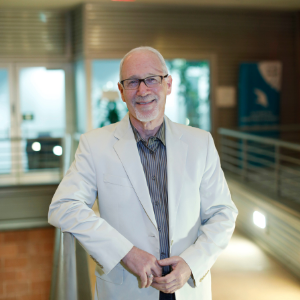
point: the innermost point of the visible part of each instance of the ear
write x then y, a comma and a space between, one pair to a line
121, 89
169, 84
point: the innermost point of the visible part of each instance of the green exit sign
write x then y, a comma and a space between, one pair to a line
28, 117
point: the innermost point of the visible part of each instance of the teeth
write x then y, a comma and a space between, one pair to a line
145, 102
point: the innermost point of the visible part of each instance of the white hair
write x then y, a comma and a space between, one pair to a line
144, 48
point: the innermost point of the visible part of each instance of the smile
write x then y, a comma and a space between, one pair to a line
145, 103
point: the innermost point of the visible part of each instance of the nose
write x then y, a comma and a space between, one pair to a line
143, 89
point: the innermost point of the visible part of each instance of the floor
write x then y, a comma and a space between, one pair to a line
245, 272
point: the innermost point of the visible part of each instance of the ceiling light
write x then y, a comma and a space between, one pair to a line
57, 150
36, 146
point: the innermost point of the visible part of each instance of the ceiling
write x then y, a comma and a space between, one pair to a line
249, 4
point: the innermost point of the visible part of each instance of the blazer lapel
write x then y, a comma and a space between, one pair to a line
128, 154
176, 160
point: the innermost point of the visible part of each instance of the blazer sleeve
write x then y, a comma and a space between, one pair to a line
218, 214
71, 211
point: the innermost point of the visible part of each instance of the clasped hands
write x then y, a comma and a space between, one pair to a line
143, 264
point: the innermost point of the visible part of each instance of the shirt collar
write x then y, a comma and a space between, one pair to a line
160, 134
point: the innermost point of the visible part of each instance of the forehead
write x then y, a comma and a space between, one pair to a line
141, 64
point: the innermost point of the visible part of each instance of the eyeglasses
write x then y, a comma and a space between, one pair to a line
151, 81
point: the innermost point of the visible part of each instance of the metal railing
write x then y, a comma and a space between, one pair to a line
41, 160
70, 274
270, 163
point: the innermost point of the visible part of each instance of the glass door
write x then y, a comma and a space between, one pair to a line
36, 111
5, 124
42, 123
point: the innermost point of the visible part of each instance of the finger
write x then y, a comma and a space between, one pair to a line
149, 281
144, 280
170, 289
167, 261
158, 286
174, 289
166, 289
156, 271
155, 285
166, 279
168, 286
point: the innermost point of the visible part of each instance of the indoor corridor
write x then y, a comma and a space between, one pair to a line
245, 272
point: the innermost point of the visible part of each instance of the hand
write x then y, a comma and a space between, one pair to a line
142, 264
172, 282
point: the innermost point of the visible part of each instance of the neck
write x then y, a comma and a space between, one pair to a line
146, 129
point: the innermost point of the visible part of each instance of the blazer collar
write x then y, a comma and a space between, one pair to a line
127, 152
176, 156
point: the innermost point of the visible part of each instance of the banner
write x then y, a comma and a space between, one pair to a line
259, 93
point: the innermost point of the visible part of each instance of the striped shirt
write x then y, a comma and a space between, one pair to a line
153, 157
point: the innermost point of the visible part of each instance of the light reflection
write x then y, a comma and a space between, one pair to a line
57, 150
36, 146
259, 219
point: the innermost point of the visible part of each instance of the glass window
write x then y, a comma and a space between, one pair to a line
189, 101
108, 106
80, 96
42, 101
5, 146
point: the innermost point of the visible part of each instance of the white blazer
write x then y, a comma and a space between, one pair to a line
201, 213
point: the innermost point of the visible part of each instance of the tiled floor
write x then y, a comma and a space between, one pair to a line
245, 272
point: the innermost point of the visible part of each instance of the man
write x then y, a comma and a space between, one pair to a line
165, 208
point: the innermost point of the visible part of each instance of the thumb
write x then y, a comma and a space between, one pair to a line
167, 261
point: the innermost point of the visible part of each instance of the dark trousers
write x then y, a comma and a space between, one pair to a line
163, 296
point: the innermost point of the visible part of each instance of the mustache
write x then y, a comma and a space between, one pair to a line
145, 98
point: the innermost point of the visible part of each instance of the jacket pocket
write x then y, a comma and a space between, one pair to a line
115, 275
117, 180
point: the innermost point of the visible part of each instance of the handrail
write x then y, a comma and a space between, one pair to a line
265, 163
281, 128
64, 281
70, 275
256, 138
23, 163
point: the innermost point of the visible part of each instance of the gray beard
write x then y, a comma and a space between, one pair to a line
147, 116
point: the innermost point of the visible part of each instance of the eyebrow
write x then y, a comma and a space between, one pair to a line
136, 77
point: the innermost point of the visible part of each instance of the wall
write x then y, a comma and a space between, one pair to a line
280, 238
234, 36
25, 206
34, 34
298, 64
26, 264
109, 30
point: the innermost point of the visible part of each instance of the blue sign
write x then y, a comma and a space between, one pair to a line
259, 93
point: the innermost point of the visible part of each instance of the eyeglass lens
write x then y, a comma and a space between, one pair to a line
149, 81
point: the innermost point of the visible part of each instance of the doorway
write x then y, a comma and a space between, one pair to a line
33, 122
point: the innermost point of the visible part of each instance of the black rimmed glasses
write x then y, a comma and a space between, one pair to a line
151, 81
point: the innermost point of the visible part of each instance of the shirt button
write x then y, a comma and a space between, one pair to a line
159, 229
153, 177
156, 203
